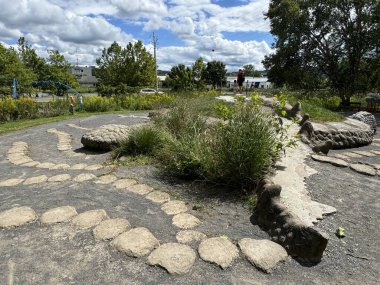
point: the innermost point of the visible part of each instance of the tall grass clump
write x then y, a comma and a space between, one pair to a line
236, 152
243, 149
141, 141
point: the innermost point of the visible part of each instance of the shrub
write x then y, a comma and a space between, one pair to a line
237, 152
144, 140
98, 104
242, 150
27, 108
55, 108
7, 108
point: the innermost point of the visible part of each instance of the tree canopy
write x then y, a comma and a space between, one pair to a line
132, 66
215, 73
325, 44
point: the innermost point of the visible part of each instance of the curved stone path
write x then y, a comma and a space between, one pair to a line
31, 170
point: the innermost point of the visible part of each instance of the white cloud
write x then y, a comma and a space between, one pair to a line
69, 25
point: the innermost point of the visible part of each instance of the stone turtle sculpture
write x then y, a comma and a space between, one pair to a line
105, 137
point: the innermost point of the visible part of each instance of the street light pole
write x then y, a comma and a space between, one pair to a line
155, 40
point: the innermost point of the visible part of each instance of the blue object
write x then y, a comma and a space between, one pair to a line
14, 88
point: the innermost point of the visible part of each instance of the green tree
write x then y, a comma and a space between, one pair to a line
12, 67
198, 69
30, 59
58, 71
132, 65
180, 77
215, 73
325, 43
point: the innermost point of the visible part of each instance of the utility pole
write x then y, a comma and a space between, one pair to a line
76, 51
155, 40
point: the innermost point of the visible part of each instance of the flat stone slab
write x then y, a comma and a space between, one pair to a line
176, 258
158, 197
78, 166
340, 156
174, 207
124, 183
111, 228
363, 169
84, 177
376, 152
31, 164
364, 153
59, 178
61, 166
140, 189
218, 250
89, 219
189, 236
16, 217
332, 160
136, 242
264, 254
93, 167
35, 180
105, 137
106, 179
58, 215
11, 182
352, 154
46, 165
185, 221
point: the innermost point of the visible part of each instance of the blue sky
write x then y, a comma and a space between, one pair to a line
186, 29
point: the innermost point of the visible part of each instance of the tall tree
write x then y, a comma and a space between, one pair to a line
132, 65
11, 67
198, 69
30, 59
215, 73
180, 77
332, 43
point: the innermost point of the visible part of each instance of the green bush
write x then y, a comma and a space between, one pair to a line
237, 152
98, 104
7, 108
58, 107
144, 101
144, 140
243, 150
27, 108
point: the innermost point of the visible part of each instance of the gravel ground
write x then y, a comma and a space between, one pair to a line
60, 254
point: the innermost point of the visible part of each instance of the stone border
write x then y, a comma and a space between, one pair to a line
18, 155
300, 240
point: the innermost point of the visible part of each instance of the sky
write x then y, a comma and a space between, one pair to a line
232, 31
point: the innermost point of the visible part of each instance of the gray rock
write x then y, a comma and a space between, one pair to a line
176, 258
106, 137
332, 160
136, 242
363, 169
16, 217
111, 228
58, 215
218, 250
90, 218
264, 254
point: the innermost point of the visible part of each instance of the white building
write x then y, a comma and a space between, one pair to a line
251, 82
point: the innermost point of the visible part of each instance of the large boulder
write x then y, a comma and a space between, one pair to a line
105, 137
347, 134
367, 118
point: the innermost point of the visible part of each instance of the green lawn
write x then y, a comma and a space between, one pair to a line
23, 124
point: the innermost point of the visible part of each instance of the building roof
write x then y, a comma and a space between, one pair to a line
248, 79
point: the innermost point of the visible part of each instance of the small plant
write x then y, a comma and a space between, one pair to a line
251, 202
